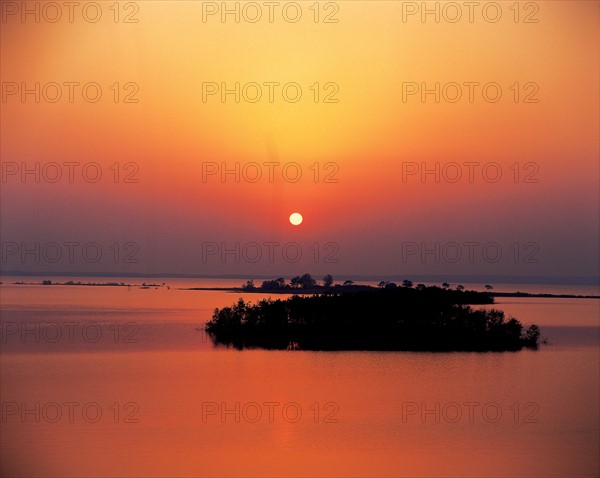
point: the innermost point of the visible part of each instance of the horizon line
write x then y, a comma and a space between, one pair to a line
468, 278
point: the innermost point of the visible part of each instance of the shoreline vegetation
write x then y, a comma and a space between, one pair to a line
361, 317
93, 284
342, 289
288, 289
306, 285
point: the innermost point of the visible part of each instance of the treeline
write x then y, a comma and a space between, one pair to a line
307, 282
402, 318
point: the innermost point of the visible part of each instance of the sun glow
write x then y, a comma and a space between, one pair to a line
296, 219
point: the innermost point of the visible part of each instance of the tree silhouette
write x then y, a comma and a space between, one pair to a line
532, 336
429, 319
276, 284
307, 281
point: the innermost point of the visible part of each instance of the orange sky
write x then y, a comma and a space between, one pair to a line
370, 135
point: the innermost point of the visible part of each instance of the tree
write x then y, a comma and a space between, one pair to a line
445, 285
420, 286
382, 284
460, 287
307, 281
532, 336
348, 282
390, 285
407, 283
275, 284
328, 280
268, 285
488, 287
295, 282
249, 285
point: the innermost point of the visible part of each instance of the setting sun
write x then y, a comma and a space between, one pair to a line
296, 219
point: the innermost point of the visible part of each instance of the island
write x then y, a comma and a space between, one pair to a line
384, 318
93, 284
306, 285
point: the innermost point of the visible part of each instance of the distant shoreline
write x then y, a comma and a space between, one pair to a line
431, 278
318, 290
91, 284
322, 291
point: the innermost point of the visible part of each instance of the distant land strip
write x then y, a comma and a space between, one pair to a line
359, 288
317, 290
454, 278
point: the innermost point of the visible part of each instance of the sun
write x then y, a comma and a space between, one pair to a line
296, 218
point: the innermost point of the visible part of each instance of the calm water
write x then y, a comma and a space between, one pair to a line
103, 381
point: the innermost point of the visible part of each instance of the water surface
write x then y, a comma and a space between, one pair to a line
151, 396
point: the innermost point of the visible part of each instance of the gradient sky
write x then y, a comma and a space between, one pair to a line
372, 135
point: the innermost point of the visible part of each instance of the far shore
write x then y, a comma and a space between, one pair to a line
335, 289
342, 289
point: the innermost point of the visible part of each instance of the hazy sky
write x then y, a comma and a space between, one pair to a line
336, 115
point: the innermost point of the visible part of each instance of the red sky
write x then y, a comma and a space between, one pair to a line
369, 205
